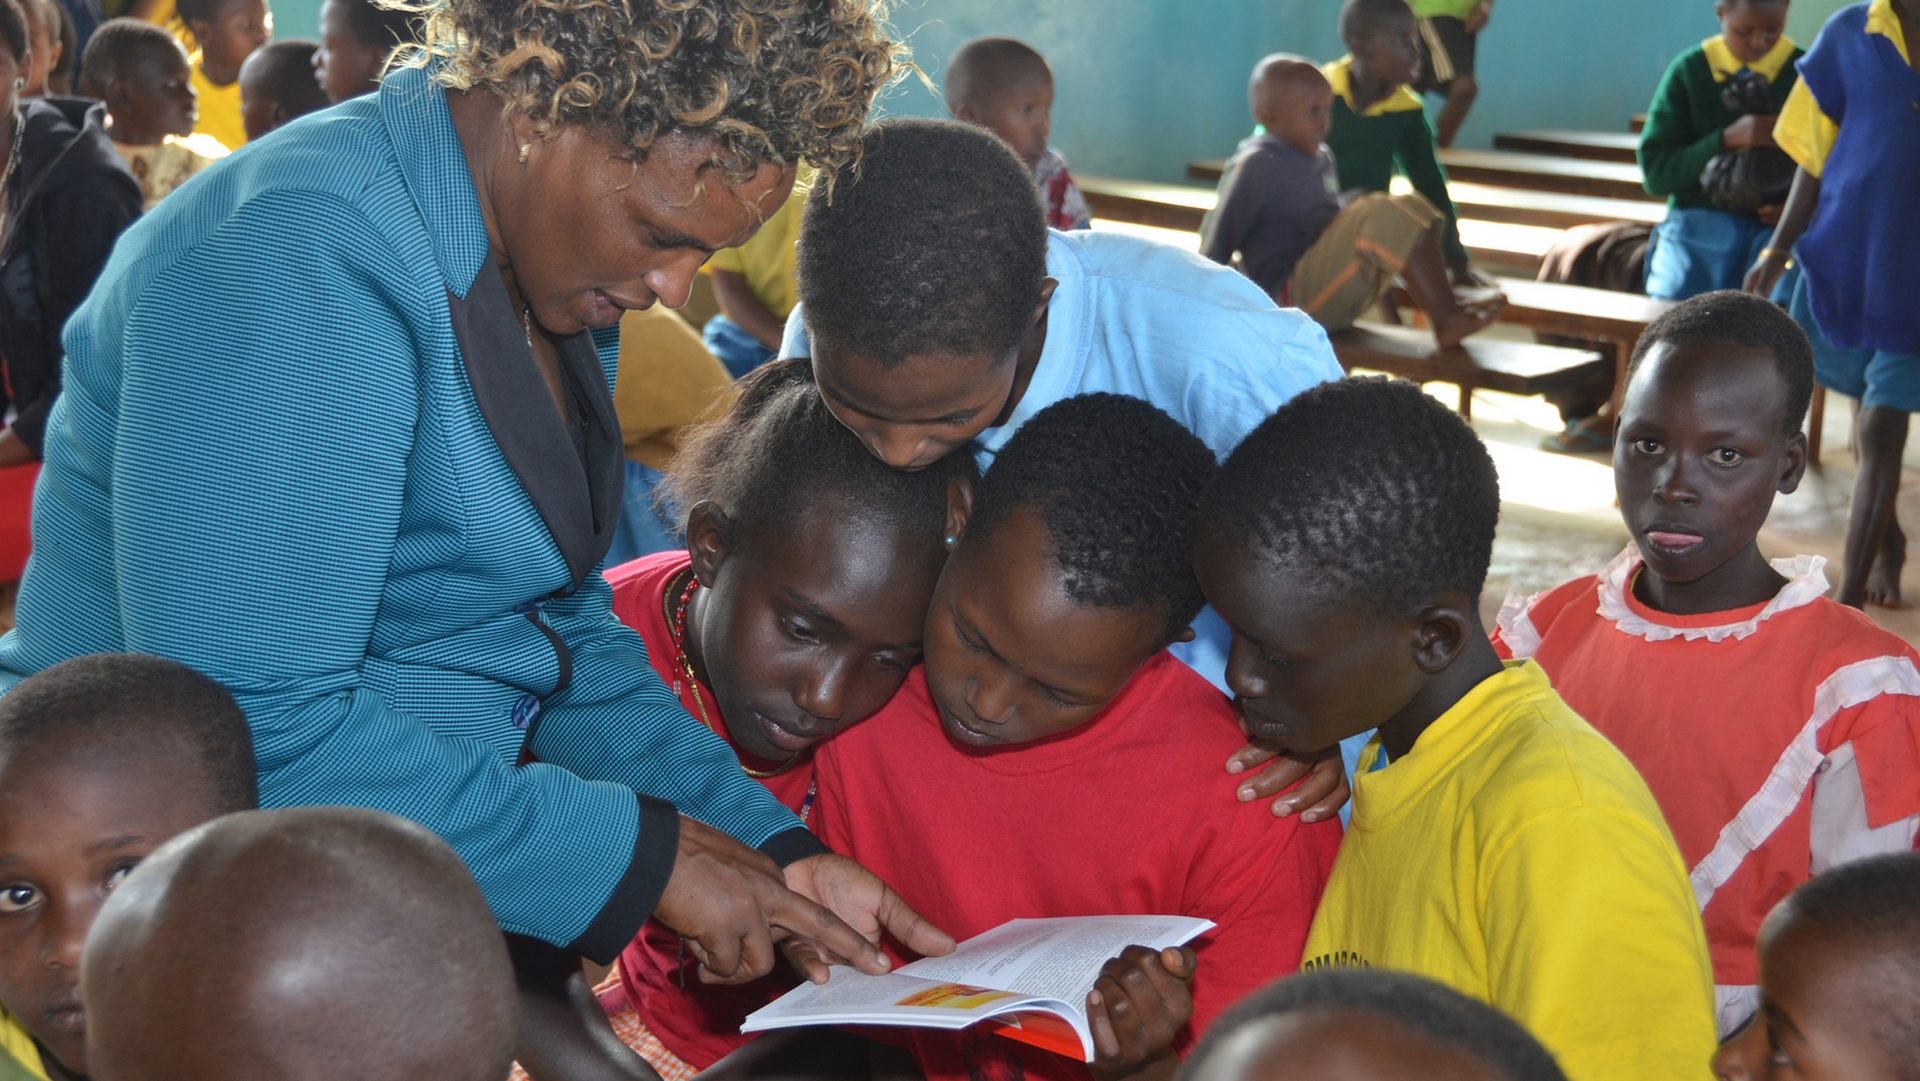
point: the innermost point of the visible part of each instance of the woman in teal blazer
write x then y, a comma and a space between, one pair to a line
338, 432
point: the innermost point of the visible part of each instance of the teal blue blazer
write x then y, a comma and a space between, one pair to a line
303, 448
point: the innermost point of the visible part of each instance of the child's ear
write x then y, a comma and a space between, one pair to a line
1793, 464
706, 540
959, 504
1047, 286
1440, 635
1186, 635
968, 114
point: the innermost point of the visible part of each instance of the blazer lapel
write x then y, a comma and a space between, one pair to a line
578, 500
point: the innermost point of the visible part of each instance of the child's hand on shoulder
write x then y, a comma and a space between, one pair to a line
1321, 788
1136, 1008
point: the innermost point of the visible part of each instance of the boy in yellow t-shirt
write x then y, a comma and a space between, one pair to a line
1508, 850
225, 33
754, 286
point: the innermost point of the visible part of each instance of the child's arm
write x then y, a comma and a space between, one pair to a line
1802, 199
1138, 1005
1672, 152
739, 303
1418, 160
1233, 214
564, 1035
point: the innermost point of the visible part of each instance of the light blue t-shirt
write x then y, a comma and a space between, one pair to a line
1152, 321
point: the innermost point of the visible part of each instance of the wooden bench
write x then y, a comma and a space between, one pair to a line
1591, 145
1496, 246
1478, 363
1534, 172
1182, 206
1541, 172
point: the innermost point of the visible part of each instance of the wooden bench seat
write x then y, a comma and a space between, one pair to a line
1496, 246
1541, 172
1534, 172
1620, 146
1522, 368
1182, 206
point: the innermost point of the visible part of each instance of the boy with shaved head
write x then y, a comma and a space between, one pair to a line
1003, 85
349, 943
1281, 212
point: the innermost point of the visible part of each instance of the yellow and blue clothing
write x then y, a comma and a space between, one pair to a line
1514, 855
1854, 122
1164, 324
1698, 249
356, 507
1367, 144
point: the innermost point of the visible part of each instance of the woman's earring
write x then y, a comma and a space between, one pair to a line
951, 541
20, 84
525, 149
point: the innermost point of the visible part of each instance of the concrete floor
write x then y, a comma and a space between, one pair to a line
1558, 519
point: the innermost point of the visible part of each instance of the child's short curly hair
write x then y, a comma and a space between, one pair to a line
780, 81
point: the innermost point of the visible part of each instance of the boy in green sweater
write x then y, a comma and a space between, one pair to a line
1699, 248
1379, 122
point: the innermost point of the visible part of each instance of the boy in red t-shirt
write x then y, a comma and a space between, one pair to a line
1049, 760
1779, 730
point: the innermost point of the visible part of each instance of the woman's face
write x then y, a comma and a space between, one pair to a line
588, 234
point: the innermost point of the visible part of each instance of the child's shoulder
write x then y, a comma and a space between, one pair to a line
1543, 761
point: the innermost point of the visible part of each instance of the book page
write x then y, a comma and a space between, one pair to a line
1053, 958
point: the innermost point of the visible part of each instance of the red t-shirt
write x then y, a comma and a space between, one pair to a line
700, 1023
1778, 739
1130, 813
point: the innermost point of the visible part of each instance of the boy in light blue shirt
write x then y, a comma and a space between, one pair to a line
942, 313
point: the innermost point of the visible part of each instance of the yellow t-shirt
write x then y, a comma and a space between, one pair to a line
18, 1055
666, 381
1516, 856
219, 110
768, 259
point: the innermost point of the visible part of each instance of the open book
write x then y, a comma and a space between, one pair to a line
1027, 978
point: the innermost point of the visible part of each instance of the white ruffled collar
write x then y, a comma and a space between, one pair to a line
1806, 583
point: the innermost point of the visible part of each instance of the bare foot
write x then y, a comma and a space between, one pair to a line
1450, 328
1883, 582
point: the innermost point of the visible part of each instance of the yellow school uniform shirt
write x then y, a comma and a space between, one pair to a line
1514, 855
1805, 130
219, 110
18, 1055
767, 261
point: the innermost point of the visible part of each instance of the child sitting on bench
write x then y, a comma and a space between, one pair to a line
1004, 86
1281, 212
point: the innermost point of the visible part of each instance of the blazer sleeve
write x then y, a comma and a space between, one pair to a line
617, 721
262, 453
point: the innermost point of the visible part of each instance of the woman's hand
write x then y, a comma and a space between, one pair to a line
1137, 1006
732, 904
1750, 132
869, 905
1322, 787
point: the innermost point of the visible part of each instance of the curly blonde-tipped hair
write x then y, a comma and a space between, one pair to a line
780, 81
